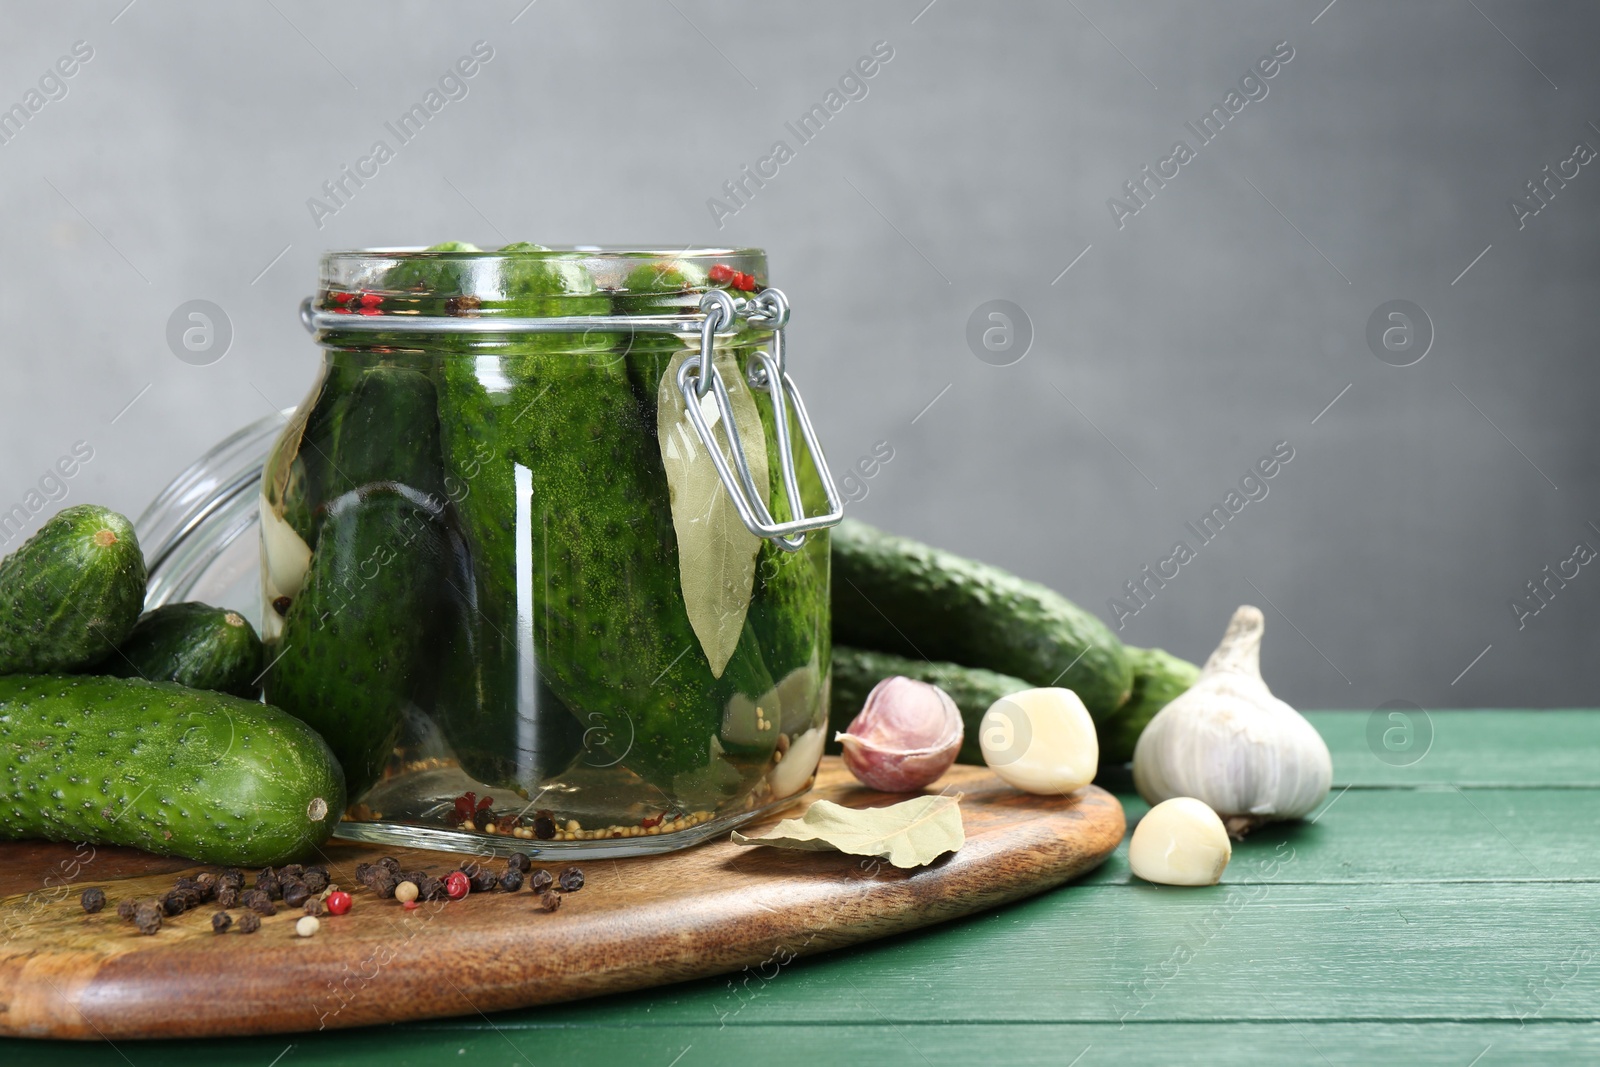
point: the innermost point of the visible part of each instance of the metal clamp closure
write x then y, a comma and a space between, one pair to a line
768, 308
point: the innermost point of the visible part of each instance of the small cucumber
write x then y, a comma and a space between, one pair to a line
898, 595
1158, 678
71, 593
195, 645
174, 771
973, 689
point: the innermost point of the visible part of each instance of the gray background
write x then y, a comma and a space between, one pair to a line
1223, 318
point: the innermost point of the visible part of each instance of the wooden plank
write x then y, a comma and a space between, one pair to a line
638, 922
1153, 954
1487, 748
1429, 834
1028, 1045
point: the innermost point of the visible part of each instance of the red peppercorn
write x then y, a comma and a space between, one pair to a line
745, 282
722, 273
457, 885
338, 902
369, 300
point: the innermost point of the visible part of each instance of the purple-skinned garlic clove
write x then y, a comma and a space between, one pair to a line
906, 736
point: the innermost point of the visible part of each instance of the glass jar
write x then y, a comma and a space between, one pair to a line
537, 580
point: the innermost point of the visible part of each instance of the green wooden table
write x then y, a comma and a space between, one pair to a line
1443, 912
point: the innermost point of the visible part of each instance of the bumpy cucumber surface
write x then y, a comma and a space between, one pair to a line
1158, 678
353, 654
899, 595
194, 645
71, 593
609, 634
175, 771
856, 671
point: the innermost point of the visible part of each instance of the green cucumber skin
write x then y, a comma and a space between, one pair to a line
1158, 678
174, 771
613, 649
899, 595
356, 638
856, 671
194, 645
387, 431
789, 610
66, 599
353, 652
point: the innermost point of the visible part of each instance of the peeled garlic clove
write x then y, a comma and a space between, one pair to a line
1040, 741
1180, 842
907, 735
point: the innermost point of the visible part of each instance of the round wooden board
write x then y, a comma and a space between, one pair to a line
636, 923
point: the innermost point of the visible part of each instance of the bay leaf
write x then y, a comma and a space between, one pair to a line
716, 553
908, 834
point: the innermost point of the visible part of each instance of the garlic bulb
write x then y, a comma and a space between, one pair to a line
907, 735
1227, 741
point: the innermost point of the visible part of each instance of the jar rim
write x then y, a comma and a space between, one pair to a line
625, 251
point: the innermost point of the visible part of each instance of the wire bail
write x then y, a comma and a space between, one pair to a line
766, 310
698, 376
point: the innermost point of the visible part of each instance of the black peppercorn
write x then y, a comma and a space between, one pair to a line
364, 872
292, 870
316, 879
540, 880
249, 922
544, 825
267, 882
125, 909
172, 902
519, 861
93, 899
259, 902
549, 901
383, 883
220, 922
147, 917
571, 880
483, 880
228, 895
431, 888
511, 881
316, 906
295, 894
391, 863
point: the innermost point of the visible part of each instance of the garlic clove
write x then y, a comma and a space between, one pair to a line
1180, 842
1040, 741
799, 763
907, 735
1228, 742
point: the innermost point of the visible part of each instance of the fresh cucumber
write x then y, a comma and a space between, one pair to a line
71, 593
1158, 678
856, 671
194, 645
898, 595
175, 771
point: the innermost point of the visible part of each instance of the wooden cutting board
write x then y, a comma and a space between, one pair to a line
636, 923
